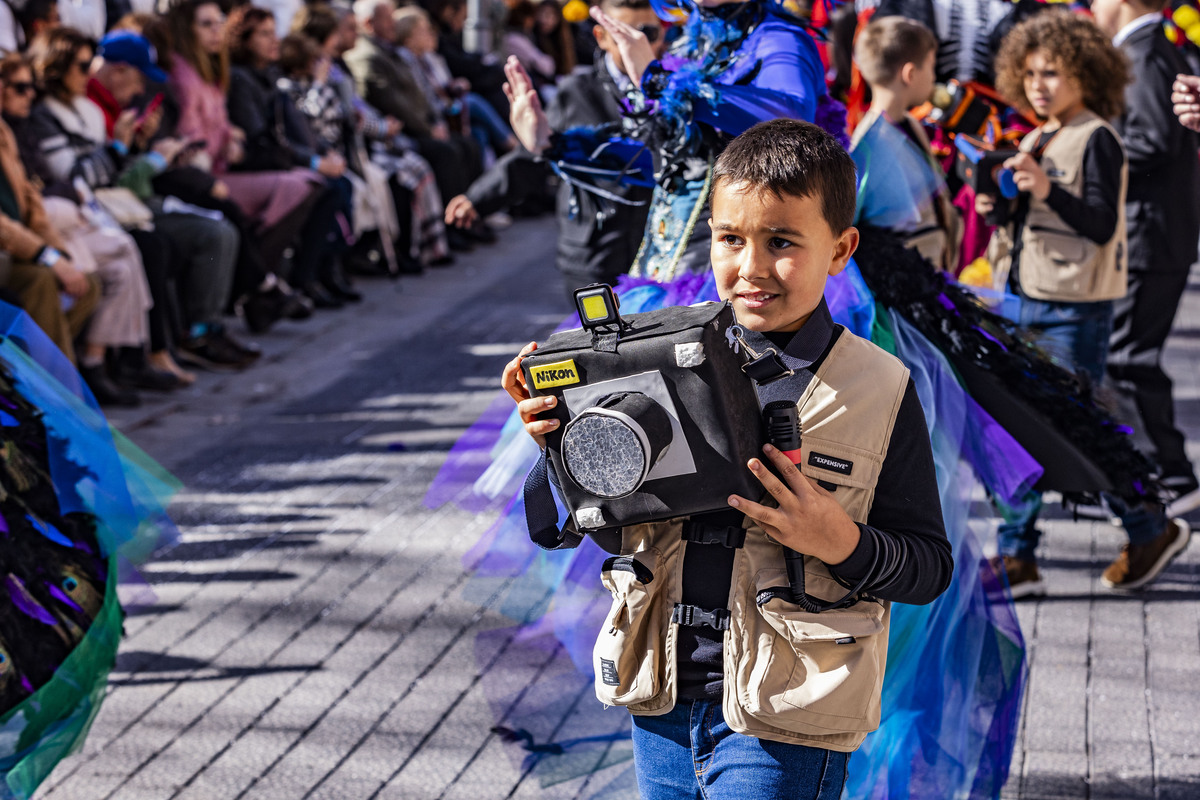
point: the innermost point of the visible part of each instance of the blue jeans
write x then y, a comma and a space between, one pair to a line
1077, 335
488, 128
691, 754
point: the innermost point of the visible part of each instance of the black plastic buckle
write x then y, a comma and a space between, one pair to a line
695, 616
726, 536
766, 368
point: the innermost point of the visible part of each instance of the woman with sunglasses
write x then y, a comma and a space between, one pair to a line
68, 143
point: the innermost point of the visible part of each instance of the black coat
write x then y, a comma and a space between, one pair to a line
1163, 202
277, 135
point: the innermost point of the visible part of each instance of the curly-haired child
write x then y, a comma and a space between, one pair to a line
1062, 245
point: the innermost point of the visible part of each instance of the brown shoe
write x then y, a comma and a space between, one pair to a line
1139, 564
1023, 577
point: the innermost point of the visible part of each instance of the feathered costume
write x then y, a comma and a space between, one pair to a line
76, 500
956, 667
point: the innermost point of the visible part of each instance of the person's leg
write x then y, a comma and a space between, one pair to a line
38, 290
484, 118
1144, 391
690, 753
662, 755
207, 252
1154, 541
734, 766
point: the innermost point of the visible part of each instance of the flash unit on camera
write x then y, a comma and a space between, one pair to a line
597, 306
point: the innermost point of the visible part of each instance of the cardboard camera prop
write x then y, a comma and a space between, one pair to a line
657, 419
982, 168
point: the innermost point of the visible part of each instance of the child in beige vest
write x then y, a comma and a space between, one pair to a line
1061, 245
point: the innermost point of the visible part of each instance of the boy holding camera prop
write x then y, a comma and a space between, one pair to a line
736, 691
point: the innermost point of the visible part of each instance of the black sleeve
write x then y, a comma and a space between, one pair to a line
1152, 134
1094, 215
903, 552
512, 179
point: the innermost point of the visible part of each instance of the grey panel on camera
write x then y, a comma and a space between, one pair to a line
678, 459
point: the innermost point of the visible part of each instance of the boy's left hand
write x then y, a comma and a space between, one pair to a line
1029, 175
808, 519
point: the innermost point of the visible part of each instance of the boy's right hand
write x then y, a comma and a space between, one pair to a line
984, 204
513, 381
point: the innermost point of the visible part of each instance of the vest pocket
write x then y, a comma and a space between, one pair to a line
815, 673
628, 657
1061, 262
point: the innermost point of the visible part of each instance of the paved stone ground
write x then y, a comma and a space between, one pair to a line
309, 635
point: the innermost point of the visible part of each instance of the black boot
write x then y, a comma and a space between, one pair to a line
105, 391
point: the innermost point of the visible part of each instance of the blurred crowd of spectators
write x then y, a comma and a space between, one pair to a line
167, 165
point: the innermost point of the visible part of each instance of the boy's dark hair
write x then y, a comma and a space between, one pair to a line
1078, 48
887, 44
790, 157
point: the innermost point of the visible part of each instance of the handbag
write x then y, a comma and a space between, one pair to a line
126, 209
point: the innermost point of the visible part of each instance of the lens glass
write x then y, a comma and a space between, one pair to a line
604, 456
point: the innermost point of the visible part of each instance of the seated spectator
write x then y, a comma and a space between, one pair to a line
278, 138
484, 71
77, 148
276, 205
518, 41
387, 82
53, 291
554, 37
418, 45
422, 238
38, 18
203, 249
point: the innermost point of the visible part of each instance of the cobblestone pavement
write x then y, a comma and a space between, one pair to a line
308, 636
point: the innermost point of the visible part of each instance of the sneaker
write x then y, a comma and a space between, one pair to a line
216, 352
1182, 494
1023, 577
1139, 564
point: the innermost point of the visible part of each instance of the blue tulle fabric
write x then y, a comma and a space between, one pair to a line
956, 667
97, 471
896, 183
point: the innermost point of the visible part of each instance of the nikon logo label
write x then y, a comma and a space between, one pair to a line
561, 373
830, 463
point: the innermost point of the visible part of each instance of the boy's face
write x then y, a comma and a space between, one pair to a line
771, 255
920, 87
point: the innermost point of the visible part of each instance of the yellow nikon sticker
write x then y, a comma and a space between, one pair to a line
560, 373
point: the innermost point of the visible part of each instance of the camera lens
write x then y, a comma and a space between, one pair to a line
610, 448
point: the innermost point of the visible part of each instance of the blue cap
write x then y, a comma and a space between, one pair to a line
127, 47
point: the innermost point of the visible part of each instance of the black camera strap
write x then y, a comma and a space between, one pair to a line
541, 513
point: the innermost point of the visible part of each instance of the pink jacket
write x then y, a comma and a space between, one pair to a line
202, 113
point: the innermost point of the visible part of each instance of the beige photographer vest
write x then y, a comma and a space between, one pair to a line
790, 675
1058, 264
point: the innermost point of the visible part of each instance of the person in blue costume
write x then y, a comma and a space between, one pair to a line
734, 65
77, 503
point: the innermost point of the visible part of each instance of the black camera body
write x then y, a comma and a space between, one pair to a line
982, 167
657, 418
